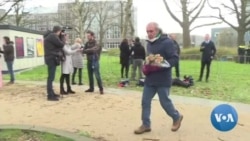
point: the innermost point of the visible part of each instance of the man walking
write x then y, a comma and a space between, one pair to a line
159, 81
93, 51
177, 47
208, 52
52, 48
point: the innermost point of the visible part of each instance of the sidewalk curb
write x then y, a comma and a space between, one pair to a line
62, 133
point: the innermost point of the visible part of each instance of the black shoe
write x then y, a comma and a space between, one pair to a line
80, 84
57, 95
52, 98
73, 83
101, 92
89, 91
70, 92
63, 92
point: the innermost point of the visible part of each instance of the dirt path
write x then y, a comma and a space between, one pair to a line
111, 116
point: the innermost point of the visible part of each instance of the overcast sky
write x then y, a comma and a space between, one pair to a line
151, 10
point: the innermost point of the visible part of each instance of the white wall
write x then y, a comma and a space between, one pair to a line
26, 61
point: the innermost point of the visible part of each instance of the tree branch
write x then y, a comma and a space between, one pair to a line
198, 13
193, 9
172, 14
8, 11
221, 17
209, 24
236, 10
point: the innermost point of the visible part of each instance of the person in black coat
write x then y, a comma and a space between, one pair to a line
177, 47
208, 52
53, 52
124, 57
8, 52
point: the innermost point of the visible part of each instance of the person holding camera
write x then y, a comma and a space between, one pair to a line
53, 46
67, 67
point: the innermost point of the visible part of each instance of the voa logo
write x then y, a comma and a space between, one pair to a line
224, 117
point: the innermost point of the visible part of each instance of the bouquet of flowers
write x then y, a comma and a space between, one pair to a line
154, 63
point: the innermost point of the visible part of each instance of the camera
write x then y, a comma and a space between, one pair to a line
62, 35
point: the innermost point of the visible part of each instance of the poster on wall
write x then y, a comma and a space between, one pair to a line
30, 47
19, 47
39, 47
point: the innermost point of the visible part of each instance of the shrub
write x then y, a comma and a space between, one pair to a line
194, 53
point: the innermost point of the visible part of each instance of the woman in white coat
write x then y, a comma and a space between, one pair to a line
67, 68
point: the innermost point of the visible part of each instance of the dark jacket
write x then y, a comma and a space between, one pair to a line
177, 47
139, 51
8, 52
208, 51
165, 47
52, 47
92, 50
124, 53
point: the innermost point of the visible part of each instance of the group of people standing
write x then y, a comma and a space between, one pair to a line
59, 52
132, 53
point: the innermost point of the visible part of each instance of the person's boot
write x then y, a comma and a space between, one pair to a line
73, 80
80, 80
89, 90
52, 98
62, 91
177, 124
70, 91
142, 129
101, 91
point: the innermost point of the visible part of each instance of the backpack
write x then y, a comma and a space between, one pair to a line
186, 82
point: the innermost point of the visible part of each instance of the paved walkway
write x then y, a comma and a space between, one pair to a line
115, 115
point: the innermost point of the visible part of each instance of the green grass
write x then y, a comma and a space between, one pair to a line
27, 135
229, 81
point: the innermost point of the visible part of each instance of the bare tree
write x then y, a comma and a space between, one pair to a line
240, 9
78, 15
82, 16
12, 3
105, 17
128, 17
20, 14
189, 15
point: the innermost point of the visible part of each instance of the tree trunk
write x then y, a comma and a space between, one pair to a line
185, 25
132, 29
127, 18
240, 38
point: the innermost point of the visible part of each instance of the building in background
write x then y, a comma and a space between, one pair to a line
67, 15
224, 37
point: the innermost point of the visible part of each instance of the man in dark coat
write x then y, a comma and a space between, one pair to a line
208, 52
52, 48
93, 51
8, 51
177, 47
159, 81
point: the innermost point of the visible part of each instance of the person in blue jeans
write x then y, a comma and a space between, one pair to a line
159, 81
8, 51
53, 49
93, 52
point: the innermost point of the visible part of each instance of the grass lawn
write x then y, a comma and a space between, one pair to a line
229, 81
26, 135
